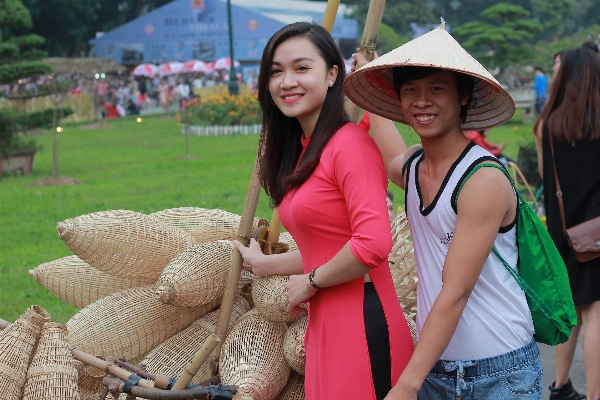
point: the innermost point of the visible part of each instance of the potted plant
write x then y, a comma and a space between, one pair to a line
16, 150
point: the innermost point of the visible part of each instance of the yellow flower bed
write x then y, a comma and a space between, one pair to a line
222, 109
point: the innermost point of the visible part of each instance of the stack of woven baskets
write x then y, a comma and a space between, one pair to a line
149, 286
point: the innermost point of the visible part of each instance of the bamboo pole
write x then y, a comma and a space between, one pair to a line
368, 41
192, 368
330, 13
235, 271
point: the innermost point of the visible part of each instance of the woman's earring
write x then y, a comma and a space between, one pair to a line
330, 83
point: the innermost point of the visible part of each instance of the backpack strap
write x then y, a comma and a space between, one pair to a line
520, 203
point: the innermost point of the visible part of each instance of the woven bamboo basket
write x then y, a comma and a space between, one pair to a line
129, 323
124, 243
52, 374
270, 297
79, 284
205, 225
286, 237
197, 276
89, 380
294, 389
293, 344
403, 266
173, 355
245, 286
252, 358
17, 345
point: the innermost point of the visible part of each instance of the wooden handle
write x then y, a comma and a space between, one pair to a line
368, 42
330, 13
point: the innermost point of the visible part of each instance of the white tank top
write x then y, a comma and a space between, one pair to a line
496, 319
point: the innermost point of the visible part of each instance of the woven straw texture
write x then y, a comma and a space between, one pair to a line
205, 225
173, 355
245, 286
294, 389
372, 86
270, 297
293, 344
52, 374
252, 358
286, 237
129, 323
403, 266
79, 284
89, 380
196, 276
17, 345
124, 243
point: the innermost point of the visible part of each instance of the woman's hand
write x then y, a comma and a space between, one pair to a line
401, 392
254, 258
299, 291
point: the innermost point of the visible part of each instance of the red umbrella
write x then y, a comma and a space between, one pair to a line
224, 63
145, 69
195, 66
170, 68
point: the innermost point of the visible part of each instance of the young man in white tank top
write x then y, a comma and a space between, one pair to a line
475, 328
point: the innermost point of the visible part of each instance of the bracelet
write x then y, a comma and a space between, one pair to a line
311, 279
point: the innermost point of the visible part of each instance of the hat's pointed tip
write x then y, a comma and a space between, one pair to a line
442, 24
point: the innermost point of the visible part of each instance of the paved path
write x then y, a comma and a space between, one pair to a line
577, 372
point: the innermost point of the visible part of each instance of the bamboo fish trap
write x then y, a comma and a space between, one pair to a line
129, 323
293, 344
403, 266
79, 284
270, 297
171, 356
196, 276
52, 374
294, 388
252, 358
205, 225
17, 345
124, 243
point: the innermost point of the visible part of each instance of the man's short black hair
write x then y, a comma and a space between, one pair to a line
593, 46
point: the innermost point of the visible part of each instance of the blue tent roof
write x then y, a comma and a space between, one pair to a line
194, 29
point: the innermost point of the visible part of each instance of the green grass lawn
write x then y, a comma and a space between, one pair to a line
133, 166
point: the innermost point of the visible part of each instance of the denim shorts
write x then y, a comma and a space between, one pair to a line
514, 375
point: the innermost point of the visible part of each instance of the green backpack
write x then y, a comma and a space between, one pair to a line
542, 273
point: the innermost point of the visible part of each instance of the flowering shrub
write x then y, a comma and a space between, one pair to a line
222, 109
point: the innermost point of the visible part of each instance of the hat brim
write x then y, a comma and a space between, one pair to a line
372, 86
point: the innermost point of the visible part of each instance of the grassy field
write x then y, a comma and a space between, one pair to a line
133, 166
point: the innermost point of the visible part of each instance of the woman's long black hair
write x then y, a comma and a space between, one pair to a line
280, 147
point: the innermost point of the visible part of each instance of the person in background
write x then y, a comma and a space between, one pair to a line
480, 139
327, 179
572, 122
389, 199
589, 45
540, 85
474, 325
163, 95
132, 108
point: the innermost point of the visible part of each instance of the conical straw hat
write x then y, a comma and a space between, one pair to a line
372, 86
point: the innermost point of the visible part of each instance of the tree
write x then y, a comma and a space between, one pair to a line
503, 41
18, 53
556, 16
388, 40
398, 14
